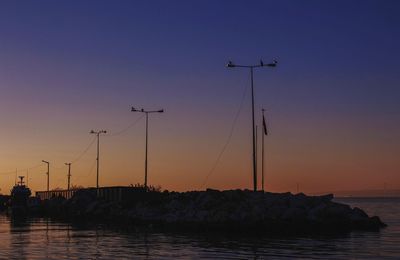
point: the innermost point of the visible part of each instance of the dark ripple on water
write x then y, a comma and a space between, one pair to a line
43, 239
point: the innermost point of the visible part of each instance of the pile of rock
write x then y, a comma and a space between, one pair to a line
220, 210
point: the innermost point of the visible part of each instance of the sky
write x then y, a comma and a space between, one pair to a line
333, 111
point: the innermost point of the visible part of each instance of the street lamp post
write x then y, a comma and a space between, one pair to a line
69, 174
147, 112
97, 133
251, 67
48, 174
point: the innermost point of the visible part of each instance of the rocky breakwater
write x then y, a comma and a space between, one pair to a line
231, 210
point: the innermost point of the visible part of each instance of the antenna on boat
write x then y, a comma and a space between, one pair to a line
27, 177
15, 178
21, 182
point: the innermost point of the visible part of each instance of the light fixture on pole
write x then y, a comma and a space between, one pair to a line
147, 112
48, 174
97, 133
251, 67
69, 174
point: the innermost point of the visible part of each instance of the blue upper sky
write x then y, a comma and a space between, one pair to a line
347, 48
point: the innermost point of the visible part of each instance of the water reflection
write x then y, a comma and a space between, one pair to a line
46, 239
20, 229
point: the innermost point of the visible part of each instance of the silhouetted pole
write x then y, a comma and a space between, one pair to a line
69, 174
97, 133
256, 150
147, 112
147, 147
48, 174
251, 67
262, 153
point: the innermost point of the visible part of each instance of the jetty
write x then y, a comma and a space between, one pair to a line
210, 210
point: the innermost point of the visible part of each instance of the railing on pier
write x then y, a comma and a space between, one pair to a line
45, 195
116, 193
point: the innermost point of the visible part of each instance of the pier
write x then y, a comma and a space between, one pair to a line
114, 193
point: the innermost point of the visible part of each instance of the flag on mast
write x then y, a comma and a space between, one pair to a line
265, 126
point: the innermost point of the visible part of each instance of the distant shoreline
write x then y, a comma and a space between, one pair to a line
368, 197
394, 193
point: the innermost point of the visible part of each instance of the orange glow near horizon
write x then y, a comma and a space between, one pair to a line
318, 159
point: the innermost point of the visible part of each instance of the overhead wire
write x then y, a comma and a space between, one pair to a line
84, 151
79, 157
90, 172
126, 128
228, 138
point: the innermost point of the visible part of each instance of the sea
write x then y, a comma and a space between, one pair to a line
45, 239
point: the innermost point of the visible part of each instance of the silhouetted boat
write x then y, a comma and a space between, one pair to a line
19, 199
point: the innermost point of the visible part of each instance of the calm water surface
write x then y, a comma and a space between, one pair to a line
43, 239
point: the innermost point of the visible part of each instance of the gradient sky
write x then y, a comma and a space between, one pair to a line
333, 103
